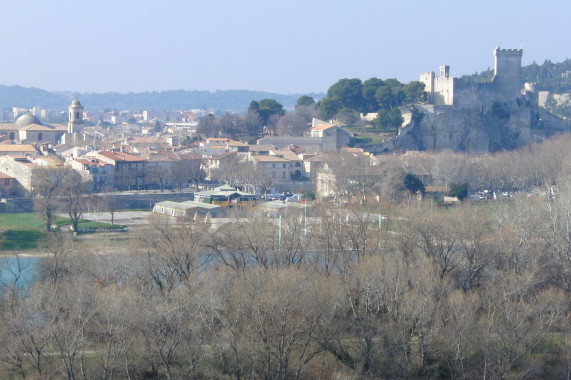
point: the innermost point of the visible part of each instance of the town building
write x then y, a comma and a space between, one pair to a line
7, 185
226, 196
322, 137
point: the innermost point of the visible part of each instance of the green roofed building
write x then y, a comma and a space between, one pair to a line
226, 196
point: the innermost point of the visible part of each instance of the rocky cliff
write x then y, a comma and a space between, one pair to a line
504, 126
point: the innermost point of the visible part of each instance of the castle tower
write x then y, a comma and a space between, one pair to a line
507, 73
444, 71
75, 123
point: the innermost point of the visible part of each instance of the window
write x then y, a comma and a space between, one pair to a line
273, 165
77, 115
284, 166
40, 136
7, 182
283, 174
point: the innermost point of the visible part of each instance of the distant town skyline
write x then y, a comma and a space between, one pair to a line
286, 47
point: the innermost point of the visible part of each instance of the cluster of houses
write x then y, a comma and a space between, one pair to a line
135, 159
131, 159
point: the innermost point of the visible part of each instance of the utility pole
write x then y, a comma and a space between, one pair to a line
280, 233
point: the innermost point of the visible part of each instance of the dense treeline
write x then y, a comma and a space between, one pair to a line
548, 76
263, 117
345, 100
464, 292
348, 97
538, 168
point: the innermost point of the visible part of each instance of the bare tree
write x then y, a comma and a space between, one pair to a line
47, 185
292, 124
73, 192
111, 202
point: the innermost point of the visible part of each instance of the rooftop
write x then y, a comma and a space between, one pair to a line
17, 148
269, 159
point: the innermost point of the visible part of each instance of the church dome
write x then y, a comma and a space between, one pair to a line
27, 119
75, 103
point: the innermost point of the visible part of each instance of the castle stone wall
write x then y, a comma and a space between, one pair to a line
507, 73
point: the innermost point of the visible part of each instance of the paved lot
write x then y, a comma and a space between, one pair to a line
125, 218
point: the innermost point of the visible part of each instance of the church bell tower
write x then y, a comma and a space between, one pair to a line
75, 123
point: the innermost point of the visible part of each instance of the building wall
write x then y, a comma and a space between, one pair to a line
307, 144
275, 171
44, 136
21, 172
6, 187
99, 176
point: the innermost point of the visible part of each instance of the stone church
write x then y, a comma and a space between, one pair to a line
28, 129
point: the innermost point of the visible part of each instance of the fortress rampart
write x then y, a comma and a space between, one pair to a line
505, 86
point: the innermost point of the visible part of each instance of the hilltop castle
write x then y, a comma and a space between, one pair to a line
504, 87
469, 116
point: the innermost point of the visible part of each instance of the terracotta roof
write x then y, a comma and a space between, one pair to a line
120, 156
292, 148
51, 160
320, 158
288, 155
261, 148
17, 148
236, 143
5, 176
322, 127
217, 139
222, 155
142, 140
269, 159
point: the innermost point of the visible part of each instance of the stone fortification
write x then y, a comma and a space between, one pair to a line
507, 73
505, 85
474, 117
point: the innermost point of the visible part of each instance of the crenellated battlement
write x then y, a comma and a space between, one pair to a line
505, 85
508, 52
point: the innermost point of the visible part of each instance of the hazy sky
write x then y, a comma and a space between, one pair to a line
290, 46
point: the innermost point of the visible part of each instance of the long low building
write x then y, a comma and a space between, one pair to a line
188, 209
226, 196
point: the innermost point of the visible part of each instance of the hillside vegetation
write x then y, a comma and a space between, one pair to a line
548, 76
229, 100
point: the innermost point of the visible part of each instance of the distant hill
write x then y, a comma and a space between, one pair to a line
227, 100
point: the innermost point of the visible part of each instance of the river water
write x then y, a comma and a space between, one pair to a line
18, 270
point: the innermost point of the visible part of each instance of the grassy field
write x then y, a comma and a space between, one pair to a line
24, 231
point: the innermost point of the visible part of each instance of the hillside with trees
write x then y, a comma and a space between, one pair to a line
266, 116
347, 98
220, 100
549, 76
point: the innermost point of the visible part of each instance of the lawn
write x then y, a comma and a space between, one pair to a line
22, 231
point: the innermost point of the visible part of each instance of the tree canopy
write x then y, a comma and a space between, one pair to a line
370, 96
304, 100
267, 108
413, 184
